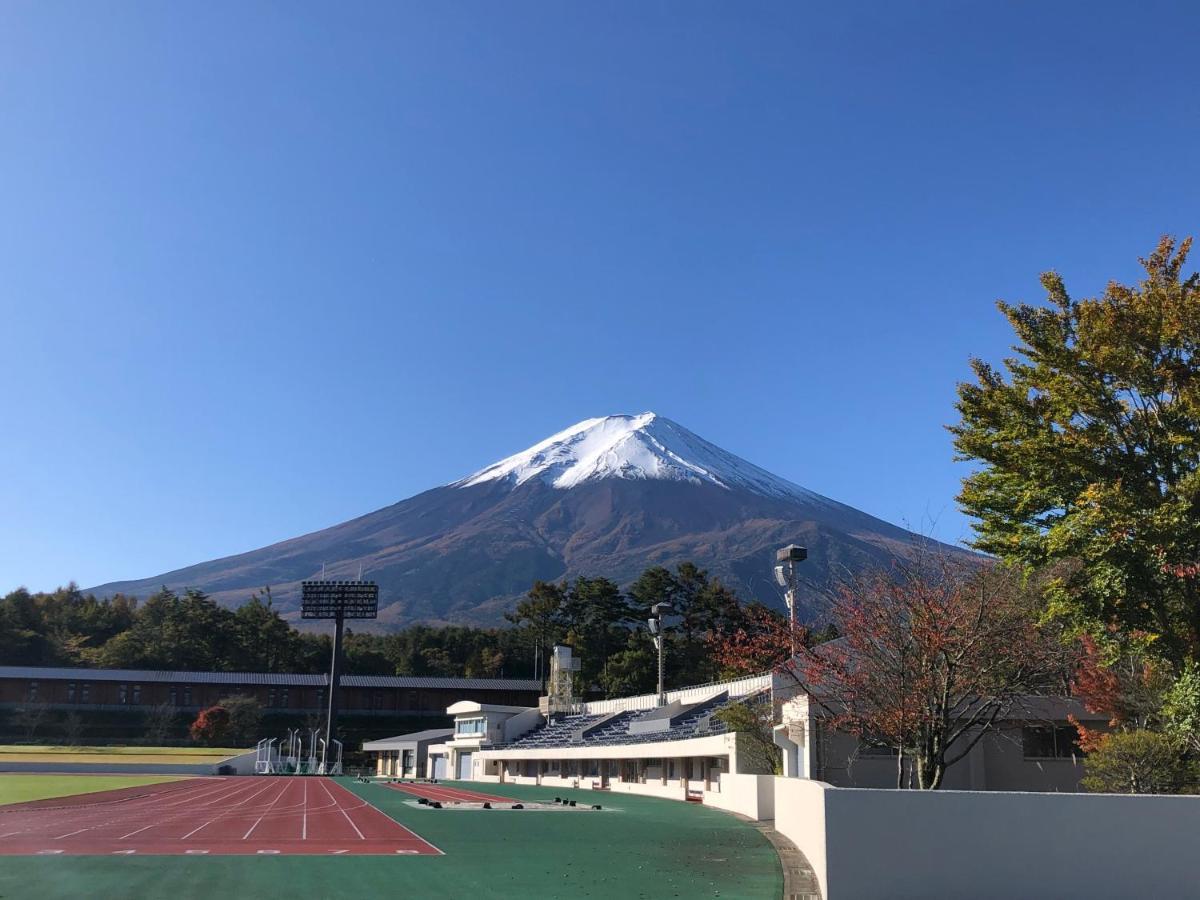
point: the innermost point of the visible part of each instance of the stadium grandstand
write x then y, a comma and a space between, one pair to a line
678, 744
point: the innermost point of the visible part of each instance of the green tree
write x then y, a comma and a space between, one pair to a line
244, 722
541, 615
1180, 710
1088, 447
1135, 762
754, 721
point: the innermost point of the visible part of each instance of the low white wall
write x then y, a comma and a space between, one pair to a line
866, 843
243, 763
800, 817
752, 796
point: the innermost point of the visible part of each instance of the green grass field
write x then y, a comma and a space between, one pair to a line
20, 788
117, 756
642, 848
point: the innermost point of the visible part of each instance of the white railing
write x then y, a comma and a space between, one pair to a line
739, 687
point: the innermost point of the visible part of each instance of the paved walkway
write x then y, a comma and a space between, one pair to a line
799, 879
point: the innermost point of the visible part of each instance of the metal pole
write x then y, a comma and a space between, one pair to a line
791, 602
335, 675
662, 641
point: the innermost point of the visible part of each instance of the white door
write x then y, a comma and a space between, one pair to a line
464, 766
439, 767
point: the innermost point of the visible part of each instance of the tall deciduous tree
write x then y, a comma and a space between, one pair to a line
932, 654
1088, 445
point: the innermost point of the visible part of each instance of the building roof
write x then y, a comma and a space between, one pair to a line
416, 737
472, 706
290, 679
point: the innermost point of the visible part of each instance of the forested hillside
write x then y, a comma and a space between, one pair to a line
189, 631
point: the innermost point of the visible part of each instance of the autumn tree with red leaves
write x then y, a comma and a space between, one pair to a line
211, 726
932, 654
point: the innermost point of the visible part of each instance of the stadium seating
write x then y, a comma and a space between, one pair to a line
572, 731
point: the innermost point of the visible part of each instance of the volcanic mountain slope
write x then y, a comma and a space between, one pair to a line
608, 496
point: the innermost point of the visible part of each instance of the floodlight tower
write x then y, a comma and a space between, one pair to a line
786, 560
337, 600
655, 623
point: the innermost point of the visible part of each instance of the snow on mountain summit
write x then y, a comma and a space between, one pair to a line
647, 446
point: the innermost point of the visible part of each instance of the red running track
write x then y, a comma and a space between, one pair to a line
448, 794
236, 815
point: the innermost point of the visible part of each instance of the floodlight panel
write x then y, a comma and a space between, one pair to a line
781, 576
328, 599
791, 553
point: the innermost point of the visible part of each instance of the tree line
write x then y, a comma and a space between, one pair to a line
189, 631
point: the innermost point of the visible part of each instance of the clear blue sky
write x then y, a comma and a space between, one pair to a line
264, 267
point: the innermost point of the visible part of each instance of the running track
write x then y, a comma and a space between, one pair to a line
236, 815
448, 794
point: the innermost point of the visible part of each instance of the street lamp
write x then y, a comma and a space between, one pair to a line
786, 560
657, 611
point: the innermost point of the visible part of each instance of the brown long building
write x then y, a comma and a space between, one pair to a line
370, 701
361, 695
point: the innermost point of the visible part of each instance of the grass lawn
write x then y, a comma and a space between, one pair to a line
643, 849
115, 755
20, 788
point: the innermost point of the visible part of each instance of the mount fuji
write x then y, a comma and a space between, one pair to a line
608, 496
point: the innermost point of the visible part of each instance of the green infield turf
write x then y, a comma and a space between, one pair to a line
20, 788
640, 848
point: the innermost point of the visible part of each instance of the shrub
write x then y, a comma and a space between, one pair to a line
1135, 762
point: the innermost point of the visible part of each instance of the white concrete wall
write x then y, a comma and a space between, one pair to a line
521, 723
867, 843
800, 817
752, 796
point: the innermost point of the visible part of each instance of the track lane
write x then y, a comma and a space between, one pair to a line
231, 815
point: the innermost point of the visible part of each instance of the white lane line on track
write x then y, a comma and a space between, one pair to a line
169, 818
343, 812
90, 812
304, 830
132, 833
68, 834
267, 810
221, 815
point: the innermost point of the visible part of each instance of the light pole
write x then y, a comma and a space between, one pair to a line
656, 629
786, 560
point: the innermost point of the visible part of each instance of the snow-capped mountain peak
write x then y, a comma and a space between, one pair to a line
647, 446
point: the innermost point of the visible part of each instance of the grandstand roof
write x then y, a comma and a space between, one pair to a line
415, 737
291, 679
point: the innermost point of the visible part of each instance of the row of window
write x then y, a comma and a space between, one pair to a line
81, 692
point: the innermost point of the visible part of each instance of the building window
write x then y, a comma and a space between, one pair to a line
468, 727
174, 692
85, 692
31, 694
137, 694
320, 698
187, 695
377, 700
271, 697
1050, 742
123, 694
70, 692
409, 760
283, 698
